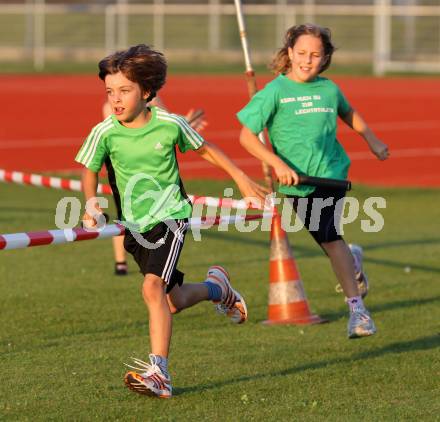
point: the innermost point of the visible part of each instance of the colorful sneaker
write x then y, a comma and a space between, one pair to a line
361, 277
231, 304
149, 380
360, 324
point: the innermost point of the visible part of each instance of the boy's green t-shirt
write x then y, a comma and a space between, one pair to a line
145, 164
301, 119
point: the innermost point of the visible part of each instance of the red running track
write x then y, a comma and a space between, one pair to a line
45, 119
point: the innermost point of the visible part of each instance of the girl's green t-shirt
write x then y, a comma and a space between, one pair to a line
301, 119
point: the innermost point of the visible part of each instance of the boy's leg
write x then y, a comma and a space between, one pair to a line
186, 295
160, 319
152, 378
216, 288
157, 265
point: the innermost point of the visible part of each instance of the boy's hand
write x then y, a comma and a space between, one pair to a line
379, 149
286, 175
91, 222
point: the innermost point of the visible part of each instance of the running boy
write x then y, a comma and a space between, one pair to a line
120, 266
140, 142
300, 110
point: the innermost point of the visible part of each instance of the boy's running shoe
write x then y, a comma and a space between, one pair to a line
149, 380
232, 303
360, 324
361, 277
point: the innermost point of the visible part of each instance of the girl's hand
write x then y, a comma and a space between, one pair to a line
252, 192
286, 175
196, 119
379, 149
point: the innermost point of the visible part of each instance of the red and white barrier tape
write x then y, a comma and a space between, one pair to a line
75, 185
50, 237
46, 181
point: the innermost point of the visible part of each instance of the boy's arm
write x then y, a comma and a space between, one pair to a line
248, 188
357, 123
89, 186
250, 141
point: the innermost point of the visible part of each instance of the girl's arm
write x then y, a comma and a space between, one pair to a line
248, 188
377, 147
254, 146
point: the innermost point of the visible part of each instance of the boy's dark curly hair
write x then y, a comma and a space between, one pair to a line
139, 64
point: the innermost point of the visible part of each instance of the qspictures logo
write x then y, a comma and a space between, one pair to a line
143, 210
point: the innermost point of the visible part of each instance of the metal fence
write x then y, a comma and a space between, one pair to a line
393, 35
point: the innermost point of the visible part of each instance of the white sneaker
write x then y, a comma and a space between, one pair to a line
361, 277
231, 303
360, 324
150, 380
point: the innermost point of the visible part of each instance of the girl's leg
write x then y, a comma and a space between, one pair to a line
160, 319
360, 323
119, 255
343, 266
118, 249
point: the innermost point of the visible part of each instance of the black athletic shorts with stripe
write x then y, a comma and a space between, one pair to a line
160, 250
326, 231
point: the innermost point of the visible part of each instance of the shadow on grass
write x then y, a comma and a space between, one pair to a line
387, 306
409, 242
422, 343
400, 265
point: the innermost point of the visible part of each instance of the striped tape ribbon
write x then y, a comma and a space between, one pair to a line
75, 185
50, 237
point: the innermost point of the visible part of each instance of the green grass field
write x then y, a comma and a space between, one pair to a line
68, 325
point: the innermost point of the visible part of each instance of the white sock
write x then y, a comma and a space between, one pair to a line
161, 362
355, 303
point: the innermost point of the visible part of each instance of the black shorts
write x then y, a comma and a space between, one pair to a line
321, 224
160, 255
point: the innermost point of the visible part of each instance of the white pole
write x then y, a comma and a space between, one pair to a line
251, 81
410, 32
158, 25
382, 35
110, 29
122, 24
29, 34
214, 25
39, 39
309, 11
281, 19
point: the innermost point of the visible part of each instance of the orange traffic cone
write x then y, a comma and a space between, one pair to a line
287, 298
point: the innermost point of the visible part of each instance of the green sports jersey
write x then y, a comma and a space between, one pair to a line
146, 169
301, 119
